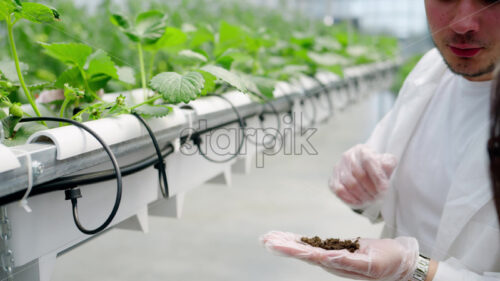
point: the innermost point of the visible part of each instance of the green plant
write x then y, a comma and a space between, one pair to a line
146, 30
11, 11
201, 47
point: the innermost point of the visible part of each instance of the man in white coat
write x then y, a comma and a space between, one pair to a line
424, 170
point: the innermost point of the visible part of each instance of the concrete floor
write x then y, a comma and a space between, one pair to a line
217, 236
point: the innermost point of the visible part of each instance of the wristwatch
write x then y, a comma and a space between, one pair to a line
420, 273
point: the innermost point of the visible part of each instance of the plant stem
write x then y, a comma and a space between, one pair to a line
87, 87
146, 102
18, 69
151, 65
143, 70
63, 109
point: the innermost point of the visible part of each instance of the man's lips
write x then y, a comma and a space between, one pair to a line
465, 51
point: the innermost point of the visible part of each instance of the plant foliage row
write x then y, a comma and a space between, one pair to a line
176, 51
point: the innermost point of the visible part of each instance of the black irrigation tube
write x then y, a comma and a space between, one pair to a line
197, 138
100, 176
160, 166
63, 183
69, 183
73, 193
66, 182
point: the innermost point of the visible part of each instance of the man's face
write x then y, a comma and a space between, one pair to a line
467, 33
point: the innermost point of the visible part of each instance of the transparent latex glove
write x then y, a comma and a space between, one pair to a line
376, 259
362, 176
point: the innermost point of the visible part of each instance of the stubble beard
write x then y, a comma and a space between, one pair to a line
459, 68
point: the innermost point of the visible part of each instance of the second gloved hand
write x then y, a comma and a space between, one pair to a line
376, 259
362, 175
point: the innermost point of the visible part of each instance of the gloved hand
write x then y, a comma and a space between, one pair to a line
362, 176
376, 259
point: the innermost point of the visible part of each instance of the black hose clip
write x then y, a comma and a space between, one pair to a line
72, 194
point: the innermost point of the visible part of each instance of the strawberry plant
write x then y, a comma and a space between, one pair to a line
146, 30
11, 11
182, 49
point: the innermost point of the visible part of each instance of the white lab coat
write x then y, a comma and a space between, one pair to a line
468, 238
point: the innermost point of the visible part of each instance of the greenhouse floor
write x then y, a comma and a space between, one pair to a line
217, 235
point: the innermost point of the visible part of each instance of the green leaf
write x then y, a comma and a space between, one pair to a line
70, 53
225, 61
7, 7
226, 76
23, 133
124, 24
150, 26
101, 63
304, 41
342, 38
230, 36
227, 58
126, 74
8, 69
9, 124
173, 38
209, 83
39, 13
71, 76
266, 86
98, 81
157, 111
120, 21
176, 88
2, 114
232, 56
190, 56
201, 36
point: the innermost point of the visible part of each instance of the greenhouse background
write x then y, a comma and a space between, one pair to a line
211, 231
404, 19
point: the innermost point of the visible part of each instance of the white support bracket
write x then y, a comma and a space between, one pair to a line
168, 208
46, 265
224, 178
139, 221
243, 165
40, 269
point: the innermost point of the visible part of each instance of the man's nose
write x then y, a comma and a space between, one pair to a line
467, 17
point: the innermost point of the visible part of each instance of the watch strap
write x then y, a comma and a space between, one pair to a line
420, 273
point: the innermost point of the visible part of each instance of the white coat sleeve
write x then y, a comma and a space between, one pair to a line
451, 269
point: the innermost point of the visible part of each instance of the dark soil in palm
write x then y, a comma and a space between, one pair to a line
332, 243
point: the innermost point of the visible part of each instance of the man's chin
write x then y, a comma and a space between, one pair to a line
468, 68
470, 72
